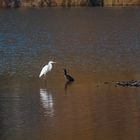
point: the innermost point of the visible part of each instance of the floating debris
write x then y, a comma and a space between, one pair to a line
132, 83
106, 82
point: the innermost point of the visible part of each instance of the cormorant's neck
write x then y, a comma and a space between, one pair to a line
65, 72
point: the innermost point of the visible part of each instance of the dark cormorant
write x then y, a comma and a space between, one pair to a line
68, 77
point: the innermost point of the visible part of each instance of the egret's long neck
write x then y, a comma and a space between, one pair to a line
50, 65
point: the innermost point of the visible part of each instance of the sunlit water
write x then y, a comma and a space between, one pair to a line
98, 46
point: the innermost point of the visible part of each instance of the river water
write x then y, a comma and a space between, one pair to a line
98, 46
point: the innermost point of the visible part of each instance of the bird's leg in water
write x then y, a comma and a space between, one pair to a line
45, 79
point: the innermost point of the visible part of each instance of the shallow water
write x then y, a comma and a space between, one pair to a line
98, 46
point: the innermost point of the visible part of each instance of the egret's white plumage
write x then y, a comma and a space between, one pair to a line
46, 69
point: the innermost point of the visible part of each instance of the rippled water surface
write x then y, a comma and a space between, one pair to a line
98, 46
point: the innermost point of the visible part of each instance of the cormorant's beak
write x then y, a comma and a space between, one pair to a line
54, 62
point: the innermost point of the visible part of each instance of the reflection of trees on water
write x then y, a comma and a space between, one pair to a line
47, 102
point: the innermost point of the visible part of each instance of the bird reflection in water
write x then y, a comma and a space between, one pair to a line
47, 102
67, 85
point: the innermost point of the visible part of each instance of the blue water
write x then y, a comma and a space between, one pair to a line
97, 46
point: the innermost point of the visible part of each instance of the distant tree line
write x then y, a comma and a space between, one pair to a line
10, 3
65, 3
49, 3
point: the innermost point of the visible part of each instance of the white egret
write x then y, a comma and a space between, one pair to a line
46, 69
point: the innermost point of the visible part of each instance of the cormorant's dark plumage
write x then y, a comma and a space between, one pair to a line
68, 77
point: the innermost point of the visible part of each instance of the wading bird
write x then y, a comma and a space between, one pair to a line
68, 77
46, 69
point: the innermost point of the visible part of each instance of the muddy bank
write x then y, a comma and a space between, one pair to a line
132, 83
